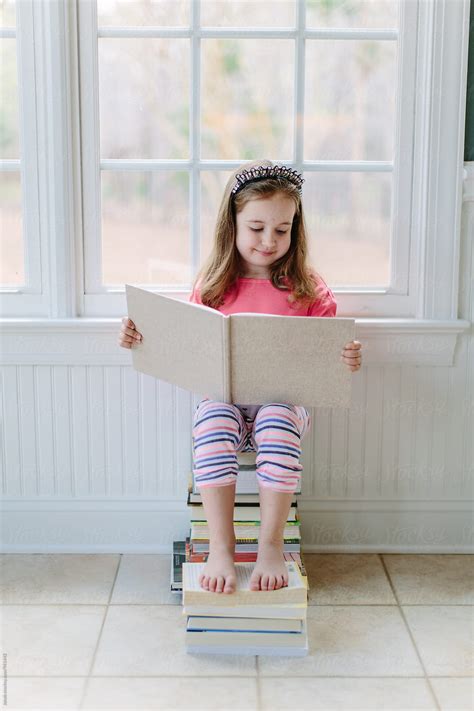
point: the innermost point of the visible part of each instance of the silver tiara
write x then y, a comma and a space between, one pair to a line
267, 171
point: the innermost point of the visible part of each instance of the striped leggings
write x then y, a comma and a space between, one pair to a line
220, 430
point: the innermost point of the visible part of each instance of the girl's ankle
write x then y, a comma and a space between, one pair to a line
222, 545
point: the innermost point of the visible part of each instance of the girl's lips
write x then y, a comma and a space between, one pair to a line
266, 254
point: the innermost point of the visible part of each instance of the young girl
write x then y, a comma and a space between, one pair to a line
258, 264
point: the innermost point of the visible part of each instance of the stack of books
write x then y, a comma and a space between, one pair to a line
270, 622
195, 547
273, 621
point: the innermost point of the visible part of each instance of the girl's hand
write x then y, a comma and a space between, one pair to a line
128, 334
351, 355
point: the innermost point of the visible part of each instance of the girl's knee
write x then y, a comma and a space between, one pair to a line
292, 488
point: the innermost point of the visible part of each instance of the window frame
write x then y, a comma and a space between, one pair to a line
30, 298
57, 202
399, 298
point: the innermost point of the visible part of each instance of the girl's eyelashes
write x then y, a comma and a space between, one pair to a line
281, 232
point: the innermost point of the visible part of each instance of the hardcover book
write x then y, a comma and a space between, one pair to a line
244, 357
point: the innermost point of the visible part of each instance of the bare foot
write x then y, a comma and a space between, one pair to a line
270, 572
219, 573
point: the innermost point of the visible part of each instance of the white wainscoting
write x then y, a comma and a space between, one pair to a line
96, 457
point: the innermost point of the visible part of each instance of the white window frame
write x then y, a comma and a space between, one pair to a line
56, 138
399, 298
403, 298
50, 163
29, 299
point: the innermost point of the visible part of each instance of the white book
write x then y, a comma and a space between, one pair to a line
201, 623
293, 611
247, 358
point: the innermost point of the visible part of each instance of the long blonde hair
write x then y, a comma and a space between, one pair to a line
223, 266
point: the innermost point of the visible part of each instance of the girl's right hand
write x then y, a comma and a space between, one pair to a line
128, 334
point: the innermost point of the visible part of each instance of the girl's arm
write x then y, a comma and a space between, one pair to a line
325, 305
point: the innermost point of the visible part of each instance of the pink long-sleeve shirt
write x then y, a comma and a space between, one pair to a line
259, 296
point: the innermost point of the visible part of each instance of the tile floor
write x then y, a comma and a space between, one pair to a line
104, 632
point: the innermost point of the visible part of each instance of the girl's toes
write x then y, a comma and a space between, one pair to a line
220, 584
229, 584
255, 582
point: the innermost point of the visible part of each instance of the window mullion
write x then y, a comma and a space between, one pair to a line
299, 82
195, 142
52, 21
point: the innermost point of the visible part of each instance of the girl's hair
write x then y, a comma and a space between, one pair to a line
223, 266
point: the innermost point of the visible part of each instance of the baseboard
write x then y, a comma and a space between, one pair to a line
139, 526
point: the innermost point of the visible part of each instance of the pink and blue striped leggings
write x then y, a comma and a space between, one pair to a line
220, 430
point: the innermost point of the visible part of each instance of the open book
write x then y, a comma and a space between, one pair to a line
241, 358
193, 594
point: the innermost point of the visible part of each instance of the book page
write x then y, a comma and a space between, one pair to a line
192, 571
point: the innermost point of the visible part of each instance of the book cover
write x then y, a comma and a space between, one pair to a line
294, 611
245, 357
207, 623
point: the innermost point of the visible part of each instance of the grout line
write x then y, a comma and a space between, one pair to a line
259, 690
233, 676
99, 636
407, 626
178, 604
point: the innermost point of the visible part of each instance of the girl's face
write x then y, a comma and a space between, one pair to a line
264, 233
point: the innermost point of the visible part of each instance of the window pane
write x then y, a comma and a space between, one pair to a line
9, 137
349, 220
248, 13
247, 106
167, 13
213, 183
12, 258
144, 99
7, 13
352, 13
145, 227
350, 100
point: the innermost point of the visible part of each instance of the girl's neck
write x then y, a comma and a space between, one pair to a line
254, 276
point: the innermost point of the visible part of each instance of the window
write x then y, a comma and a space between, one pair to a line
131, 116
20, 273
324, 87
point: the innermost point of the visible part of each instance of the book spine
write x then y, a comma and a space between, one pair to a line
226, 353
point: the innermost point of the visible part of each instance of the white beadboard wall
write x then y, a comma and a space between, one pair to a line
97, 458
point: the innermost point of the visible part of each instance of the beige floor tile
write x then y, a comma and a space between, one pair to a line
444, 636
432, 579
150, 640
56, 640
44, 693
57, 578
345, 694
351, 641
145, 579
454, 694
347, 579
186, 694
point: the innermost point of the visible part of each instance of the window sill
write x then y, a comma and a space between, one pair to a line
93, 341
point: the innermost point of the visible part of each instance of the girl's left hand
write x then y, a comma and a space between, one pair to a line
351, 355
